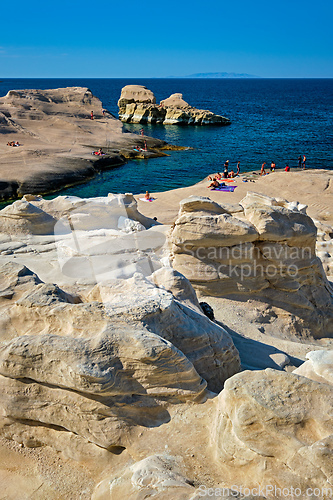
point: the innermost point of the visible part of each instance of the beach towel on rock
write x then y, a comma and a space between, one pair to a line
229, 189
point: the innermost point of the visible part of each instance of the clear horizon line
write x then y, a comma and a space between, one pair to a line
164, 78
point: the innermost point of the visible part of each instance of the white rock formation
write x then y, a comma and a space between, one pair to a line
106, 356
319, 367
274, 428
324, 247
23, 217
153, 477
137, 104
100, 355
99, 364
265, 252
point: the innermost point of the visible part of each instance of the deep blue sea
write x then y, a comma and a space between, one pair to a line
272, 119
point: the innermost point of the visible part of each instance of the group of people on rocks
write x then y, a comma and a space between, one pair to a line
301, 164
140, 149
226, 174
92, 116
13, 143
231, 174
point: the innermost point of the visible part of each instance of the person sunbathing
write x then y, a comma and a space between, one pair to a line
147, 196
98, 153
231, 174
215, 184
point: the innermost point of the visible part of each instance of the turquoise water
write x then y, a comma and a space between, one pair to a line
272, 119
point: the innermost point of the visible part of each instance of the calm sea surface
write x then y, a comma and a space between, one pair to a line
272, 119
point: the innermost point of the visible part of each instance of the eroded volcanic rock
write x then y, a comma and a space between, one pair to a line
57, 138
105, 352
137, 104
274, 428
115, 368
265, 252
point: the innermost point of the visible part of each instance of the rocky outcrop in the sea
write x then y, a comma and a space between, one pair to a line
262, 249
137, 104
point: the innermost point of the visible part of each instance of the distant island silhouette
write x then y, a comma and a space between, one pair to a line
218, 75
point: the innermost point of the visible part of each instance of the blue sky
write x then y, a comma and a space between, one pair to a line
108, 39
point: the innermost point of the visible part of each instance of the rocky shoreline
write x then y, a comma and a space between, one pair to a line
180, 348
57, 137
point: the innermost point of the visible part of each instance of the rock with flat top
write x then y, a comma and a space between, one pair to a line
265, 252
135, 94
137, 104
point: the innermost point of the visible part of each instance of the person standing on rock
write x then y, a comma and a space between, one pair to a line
300, 161
238, 168
142, 131
92, 115
303, 164
262, 171
226, 169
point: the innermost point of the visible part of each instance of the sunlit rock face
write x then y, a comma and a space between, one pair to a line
274, 428
264, 251
97, 336
137, 104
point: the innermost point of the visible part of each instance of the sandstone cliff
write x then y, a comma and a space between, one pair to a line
137, 104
